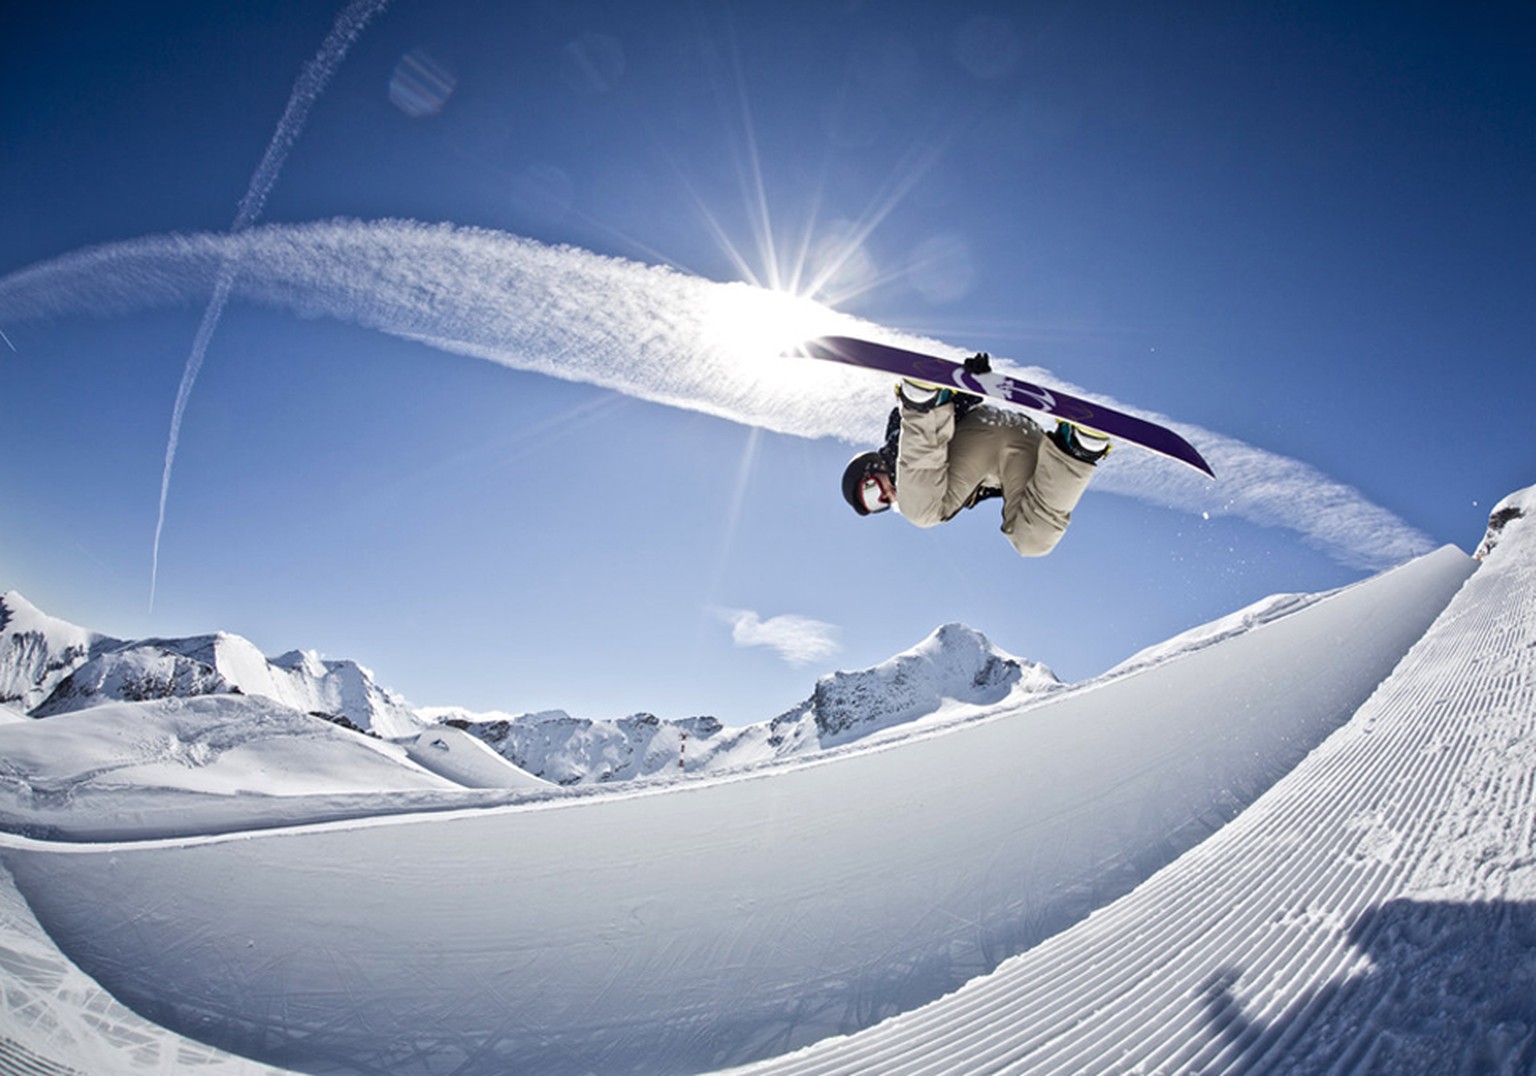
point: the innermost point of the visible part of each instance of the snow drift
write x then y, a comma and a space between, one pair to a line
686, 926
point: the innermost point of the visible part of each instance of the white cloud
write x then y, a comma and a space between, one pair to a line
651, 333
799, 640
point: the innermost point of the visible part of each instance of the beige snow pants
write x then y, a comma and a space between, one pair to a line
941, 466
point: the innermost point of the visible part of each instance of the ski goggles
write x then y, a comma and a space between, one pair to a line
872, 496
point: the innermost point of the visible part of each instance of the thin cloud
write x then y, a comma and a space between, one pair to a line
649, 332
799, 640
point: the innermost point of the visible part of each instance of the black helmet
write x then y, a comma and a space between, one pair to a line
856, 474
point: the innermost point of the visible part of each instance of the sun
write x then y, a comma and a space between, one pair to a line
747, 321
795, 266
751, 335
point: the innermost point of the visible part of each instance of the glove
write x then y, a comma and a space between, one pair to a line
979, 363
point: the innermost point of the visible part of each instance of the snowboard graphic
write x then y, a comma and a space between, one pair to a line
1117, 425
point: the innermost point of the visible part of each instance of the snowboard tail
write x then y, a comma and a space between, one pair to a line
1117, 425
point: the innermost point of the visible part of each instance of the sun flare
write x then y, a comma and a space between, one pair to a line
747, 321
753, 334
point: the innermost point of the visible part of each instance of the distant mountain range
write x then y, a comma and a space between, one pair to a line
49, 668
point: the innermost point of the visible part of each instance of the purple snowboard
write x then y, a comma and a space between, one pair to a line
1116, 424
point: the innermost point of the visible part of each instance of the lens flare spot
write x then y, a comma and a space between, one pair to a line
419, 85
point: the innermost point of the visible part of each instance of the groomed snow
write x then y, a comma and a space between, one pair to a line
1374, 912
696, 925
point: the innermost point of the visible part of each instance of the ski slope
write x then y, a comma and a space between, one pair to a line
721, 921
1375, 911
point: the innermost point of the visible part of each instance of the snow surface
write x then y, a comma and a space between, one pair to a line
466, 760
200, 765
959, 896
53, 1012
1373, 912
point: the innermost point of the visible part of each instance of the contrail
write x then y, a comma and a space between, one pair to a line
648, 332
311, 83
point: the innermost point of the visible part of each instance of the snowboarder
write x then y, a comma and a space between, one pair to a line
944, 452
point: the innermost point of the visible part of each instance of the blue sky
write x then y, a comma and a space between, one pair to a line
1306, 231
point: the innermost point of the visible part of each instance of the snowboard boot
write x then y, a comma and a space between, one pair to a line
1090, 446
921, 396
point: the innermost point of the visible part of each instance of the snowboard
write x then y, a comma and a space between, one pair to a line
1117, 425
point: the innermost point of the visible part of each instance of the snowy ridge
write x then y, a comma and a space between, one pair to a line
954, 664
955, 668
133, 673
341, 691
160, 733
210, 763
685, 926
565, 750
1516, 506
50, 667
1244, 620
467, 761
37, 651
303, 680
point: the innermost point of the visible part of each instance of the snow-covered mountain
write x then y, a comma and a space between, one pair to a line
954, 665
570, 750
954, 668
192, 719
37, 651
50, 667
